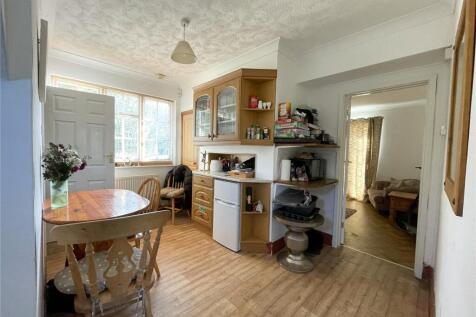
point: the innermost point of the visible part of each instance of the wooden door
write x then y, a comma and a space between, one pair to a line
86, 121
189, 151
226, 111
203, 115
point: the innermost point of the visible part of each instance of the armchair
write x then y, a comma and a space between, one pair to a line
378, 196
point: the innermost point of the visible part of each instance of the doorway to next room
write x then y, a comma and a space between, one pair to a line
384, 160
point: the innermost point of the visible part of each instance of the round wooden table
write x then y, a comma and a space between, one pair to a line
95, 205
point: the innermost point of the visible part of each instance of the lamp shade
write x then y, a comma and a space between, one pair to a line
183, 53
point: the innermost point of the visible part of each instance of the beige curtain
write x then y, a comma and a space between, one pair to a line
364, 146
373, 149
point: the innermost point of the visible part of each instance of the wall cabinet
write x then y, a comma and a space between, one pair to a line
203, 115
226, 118
221, 107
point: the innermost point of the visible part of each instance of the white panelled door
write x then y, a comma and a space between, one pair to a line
86, 121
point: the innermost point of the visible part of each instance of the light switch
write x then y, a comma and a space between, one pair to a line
443, 130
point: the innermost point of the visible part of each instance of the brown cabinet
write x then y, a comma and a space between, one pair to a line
221, 107
202, 200
227, 114
206, 181
203, 115
202, 215
202, 195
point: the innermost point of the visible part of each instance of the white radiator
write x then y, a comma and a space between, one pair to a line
132, 182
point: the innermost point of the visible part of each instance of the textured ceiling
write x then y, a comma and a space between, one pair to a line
141, 34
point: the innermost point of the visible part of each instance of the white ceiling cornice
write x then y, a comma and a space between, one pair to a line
105, 66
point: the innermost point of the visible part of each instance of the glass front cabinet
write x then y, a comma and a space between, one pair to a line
226, 111
223, 113
203, 115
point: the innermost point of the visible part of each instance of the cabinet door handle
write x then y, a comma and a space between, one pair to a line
202, 210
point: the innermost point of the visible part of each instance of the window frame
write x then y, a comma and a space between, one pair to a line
103, 91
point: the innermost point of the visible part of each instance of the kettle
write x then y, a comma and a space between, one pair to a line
216, 166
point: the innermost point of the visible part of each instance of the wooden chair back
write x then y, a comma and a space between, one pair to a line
174, 184
118, 274
150, 189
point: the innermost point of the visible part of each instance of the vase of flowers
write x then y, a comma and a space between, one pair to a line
59, 163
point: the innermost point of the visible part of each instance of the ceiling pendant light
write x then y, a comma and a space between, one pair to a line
183, 53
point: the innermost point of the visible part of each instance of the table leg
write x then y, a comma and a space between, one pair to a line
392, 215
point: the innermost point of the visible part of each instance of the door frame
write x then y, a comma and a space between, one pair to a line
426, 179
184, 113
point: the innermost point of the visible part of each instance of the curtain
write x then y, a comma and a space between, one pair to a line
373, 149
364, 146
358, 138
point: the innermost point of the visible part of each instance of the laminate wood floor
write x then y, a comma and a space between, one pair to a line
201, 278
370, 232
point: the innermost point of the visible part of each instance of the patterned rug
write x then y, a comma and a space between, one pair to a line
349, 212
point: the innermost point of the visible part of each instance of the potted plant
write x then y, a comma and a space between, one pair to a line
59, 163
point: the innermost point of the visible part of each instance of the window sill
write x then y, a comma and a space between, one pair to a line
146, 166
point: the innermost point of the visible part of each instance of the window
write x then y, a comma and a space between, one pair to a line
76, 85
142, 128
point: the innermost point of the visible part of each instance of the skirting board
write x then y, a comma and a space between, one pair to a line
278, 245
428, 276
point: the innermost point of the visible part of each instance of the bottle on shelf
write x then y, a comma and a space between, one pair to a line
258, 132
249, 199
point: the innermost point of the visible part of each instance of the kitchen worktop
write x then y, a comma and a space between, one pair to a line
224, 176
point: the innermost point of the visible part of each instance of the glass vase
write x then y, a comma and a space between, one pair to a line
59, 194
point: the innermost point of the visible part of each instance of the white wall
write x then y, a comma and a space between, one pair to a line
401, 142
422, 31
330, 101
263, 156
90, 71
21, 288
455, 270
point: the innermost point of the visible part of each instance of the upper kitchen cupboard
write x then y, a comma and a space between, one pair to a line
203, 115
226, 101
223, 111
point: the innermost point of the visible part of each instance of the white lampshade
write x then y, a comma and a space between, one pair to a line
183, 53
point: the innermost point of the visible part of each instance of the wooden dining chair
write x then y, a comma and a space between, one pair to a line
107, 282
150, 189
173, 191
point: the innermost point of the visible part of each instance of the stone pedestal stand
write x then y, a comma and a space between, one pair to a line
293, 259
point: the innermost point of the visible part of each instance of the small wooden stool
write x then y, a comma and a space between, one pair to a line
293, 259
